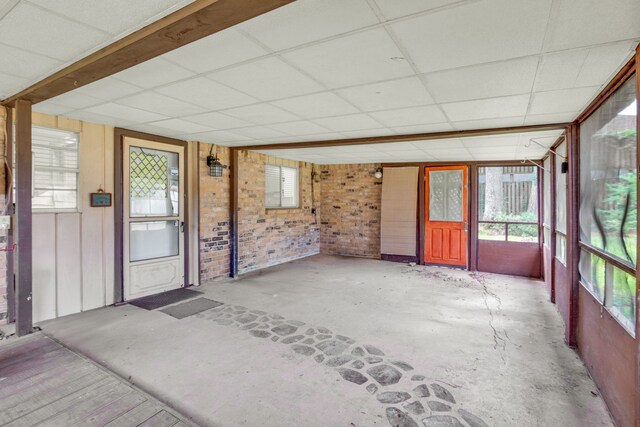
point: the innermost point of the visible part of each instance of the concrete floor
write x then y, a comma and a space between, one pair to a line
493, 342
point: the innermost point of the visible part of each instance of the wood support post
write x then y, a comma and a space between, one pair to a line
573, 248
8, 200
23, 219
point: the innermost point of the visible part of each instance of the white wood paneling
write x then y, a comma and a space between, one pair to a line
68, 265
44, 267
91, 179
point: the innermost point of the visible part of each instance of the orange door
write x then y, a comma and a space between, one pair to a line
446, 215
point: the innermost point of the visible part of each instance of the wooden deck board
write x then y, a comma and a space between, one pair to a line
42, 382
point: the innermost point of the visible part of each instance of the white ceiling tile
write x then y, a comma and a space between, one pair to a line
217, 121
220, 136
491, 108
406, 92
300, 127
348, 123
207, 93
316, 105
6, 6
100, 119
31, 28
439, 144
367, 133
216, 51
562, 101
410, 116
114, 16
394, 146
127, 113
108, 89
560, 70
493, 141
489, 123
76, 100
322, 136
541, 119
603, 62
181, 126
154, 130
10, 85
51, 108
156, 103
261, 114
29, 66
258, 132
393, 9
359, 58
511, 77
430, 128
413, 155
355, 149
444, 154
281, 139
152, 73
478, 32
505, 155
306, 21
577, 23
267, 79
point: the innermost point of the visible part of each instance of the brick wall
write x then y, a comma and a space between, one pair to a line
350, 210
215, 247
273, 236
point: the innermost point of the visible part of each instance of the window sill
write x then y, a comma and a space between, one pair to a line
267, 210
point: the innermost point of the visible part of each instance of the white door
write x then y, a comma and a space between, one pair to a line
153, 215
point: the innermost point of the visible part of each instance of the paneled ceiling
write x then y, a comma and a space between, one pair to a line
335, 69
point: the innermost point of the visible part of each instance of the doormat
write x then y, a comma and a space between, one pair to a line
189, 308
160, 300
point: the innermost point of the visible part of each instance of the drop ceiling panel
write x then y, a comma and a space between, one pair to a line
306, 21
491, 108
540, 119
220, 137
181, 126
478, 32
504, 78
32, 29
206, 93
392, 9
127, 113
10, 84
156, 103
489, 123
407, 92
108, 89
76, 100
20, 63
578, 23
561, 101
437, 144
267, 79
348, 123
113, 16
394, 147
218, 121
438, 127
300, 127
261, 114
602, 63
103, 119
359, 58
316, 105
50, 108
152, 73
560, 70
410, 116
216, 51
258, 132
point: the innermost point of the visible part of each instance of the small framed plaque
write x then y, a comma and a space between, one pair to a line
100, 200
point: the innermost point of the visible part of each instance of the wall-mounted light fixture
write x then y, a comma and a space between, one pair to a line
378, 173
215, 167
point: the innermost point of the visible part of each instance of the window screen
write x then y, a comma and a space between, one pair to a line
546, 211
608, 203
55, 169
281, 187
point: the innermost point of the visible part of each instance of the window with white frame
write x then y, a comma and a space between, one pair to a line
281, 186
55, 156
